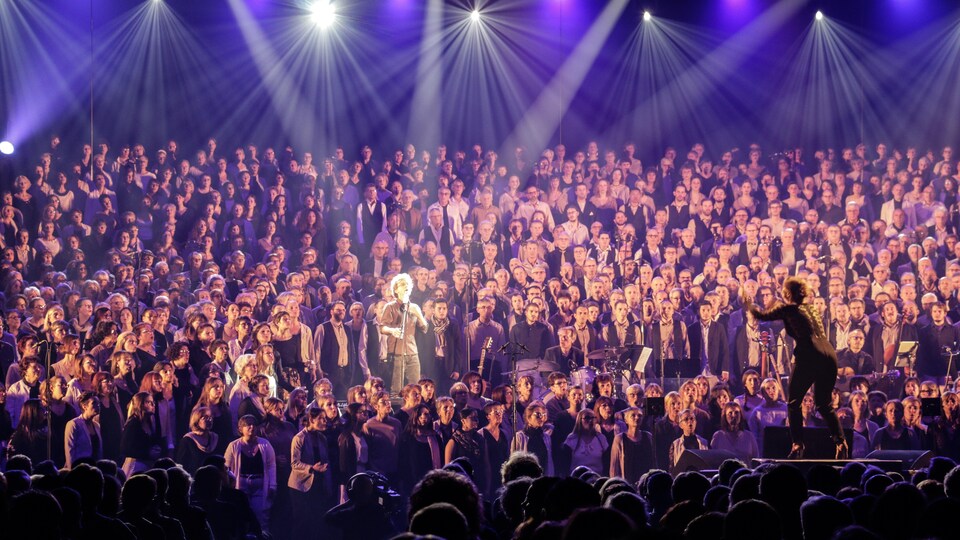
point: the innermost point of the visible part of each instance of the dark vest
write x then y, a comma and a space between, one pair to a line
330, 349
372, 223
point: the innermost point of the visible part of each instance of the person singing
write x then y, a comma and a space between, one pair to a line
400, 321
816, 362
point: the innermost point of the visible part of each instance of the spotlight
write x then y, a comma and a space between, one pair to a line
647, 16
475, 16
819, 15
6, 148
323, 13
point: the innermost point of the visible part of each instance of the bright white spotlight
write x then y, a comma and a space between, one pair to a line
323, 13
819, 15
647, 16
6, 148
475, 16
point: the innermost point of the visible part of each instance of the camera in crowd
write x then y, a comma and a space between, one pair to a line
374, 487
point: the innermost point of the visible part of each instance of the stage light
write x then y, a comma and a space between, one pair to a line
475, 16
323, 13
819, 15
647, 16
6, 148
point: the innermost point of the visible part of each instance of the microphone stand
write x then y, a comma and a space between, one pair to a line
514, 359
403, 334
49, 415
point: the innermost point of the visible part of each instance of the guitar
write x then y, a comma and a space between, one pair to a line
487, 345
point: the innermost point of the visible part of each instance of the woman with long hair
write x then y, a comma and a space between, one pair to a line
104, 337
420, 450
198, 443
82, 379
608, 426
816, 362
863, 426
213, 397
122, 366
140, 445
53, 393
585, 444
504, 396
112, 415
497, 441
353, 447
266, 362
732, 437
30, 437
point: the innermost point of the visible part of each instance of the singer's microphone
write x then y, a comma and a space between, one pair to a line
503, 347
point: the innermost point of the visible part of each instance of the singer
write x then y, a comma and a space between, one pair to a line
400, 321
816, 362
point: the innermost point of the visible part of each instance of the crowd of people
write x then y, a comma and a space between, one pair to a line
252, 343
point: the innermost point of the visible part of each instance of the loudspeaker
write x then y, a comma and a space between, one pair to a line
817, 441
911, 459
701, 460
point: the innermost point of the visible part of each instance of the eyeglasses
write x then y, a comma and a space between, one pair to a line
539, 415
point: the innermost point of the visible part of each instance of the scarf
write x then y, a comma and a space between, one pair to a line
211, 444
469, 446
440, 328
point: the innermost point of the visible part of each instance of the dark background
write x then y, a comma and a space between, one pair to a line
192, 75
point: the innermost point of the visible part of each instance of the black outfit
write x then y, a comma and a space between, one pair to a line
190, 456
111, 430
58, 424
290, 363
816, 364
415, 459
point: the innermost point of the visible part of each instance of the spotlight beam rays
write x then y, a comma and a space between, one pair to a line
35, 88
285, 96
425, 117
543, 118
721, 64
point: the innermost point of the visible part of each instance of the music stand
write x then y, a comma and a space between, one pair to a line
679, 368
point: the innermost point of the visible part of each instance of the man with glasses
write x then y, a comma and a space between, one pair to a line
854, 360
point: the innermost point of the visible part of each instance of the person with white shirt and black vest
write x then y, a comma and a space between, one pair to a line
371, 216
435, 231
339, 361
623, 333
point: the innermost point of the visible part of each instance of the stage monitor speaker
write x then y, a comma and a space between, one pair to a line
817, 441
702, 460
911, 459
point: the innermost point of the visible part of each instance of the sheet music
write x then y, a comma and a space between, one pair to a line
641, 365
